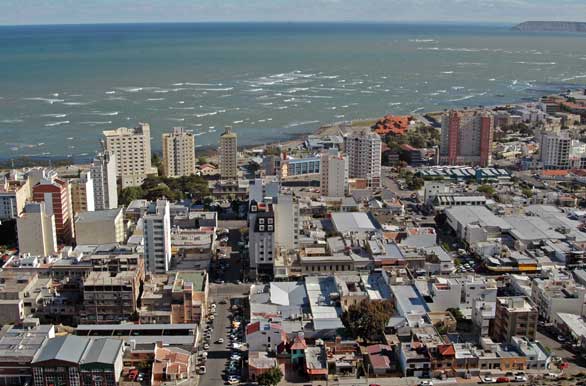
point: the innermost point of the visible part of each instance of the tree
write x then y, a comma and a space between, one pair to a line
270, 378
368, 318
487, 190
127, 195
527, 192
202, 160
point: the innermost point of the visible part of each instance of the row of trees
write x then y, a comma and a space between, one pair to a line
154, 187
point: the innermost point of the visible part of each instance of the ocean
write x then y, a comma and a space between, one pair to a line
60, 86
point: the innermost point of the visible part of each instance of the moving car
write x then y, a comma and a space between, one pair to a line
220, 341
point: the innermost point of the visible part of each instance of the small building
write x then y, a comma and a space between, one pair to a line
171, 364
380, 359
265, 336
259, 362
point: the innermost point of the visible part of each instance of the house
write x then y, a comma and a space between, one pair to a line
259, 362
171, 364
380, 359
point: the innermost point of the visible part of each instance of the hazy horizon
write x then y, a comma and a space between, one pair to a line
58, 12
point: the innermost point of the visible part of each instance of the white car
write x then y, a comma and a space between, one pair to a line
488, 380
233, 380
236, 345
520, 378
426, 383
201, 370
220, 341
206, 346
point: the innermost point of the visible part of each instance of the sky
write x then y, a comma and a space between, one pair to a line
16, 12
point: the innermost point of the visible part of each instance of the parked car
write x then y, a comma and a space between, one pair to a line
520, 378
206, 346
488, 380
503, 380
201, 370
561, 338
426, 383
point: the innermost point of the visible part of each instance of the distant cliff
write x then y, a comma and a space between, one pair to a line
551, 26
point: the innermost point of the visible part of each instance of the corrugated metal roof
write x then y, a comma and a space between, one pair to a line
102, 351
68, 348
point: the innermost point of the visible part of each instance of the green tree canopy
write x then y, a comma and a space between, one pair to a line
270, 378
368, 318
127, 195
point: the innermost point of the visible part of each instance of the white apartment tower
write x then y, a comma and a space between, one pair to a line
333, 174
82, 193
286, 208
228, 152
36, 231
104, 173
261, 225
157, 237
363, 150
132, 148
554, 150
178, 153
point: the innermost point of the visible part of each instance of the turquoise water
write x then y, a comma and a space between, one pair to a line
60, 86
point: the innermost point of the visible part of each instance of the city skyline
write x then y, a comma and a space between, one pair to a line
27, 12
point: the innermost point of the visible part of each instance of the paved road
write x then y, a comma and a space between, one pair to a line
218, 354
576, 363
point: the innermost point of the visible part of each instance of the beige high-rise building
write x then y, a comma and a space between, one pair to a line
132, 148
36, 230
228, 154
333, 174
364, 156
178, 153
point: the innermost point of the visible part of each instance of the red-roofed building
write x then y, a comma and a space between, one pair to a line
171, 364
393, 124
265, 336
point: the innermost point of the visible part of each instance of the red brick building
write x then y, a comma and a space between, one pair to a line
56, 195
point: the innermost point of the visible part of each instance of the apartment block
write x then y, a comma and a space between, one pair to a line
103, 172
333, 174
466, 137
363, 150
514, 316
228, 152
82, 193
261, 223
100, 227
178, 153
37, 235
56, 195
554, 150
157, 237
13, 197
132, 148
110, 297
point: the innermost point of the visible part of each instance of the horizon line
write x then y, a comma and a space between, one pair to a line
373, 22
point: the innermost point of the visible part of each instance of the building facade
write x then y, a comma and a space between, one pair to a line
132, 148
56, 195
514, 316
466, 138
100, 227
178, 153
261, 223
82, 193
554, 150
228, 152
13, 197
333, 174
157, 237
364, 157
103, 172
36, 231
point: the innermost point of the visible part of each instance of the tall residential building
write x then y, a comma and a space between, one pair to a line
363, 150
467, 137
82, 193
36, 231
132, 148
103, 173
287, 219
13, 197
261, 225
178, 153
514, 316
157, 237
554, 150
333, 174
100, 227
56, 194
228, 154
